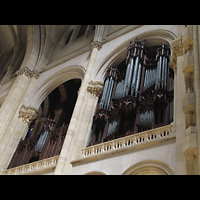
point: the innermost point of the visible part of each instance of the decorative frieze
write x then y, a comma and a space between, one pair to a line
96, 44
27, 113
95, 88
27, 72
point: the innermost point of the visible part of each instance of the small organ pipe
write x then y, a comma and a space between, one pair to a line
133, 85
145, 80
158, 63
121, 90
147, 83
129, 78
126, 76
159, 72
118, 90
163, 73
109, 92
104, 92
150, 77
138, 79
166, 67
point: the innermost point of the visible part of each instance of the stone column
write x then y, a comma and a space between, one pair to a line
25, 117
176, 60
12, 128
93, 92
64, 159
191, 74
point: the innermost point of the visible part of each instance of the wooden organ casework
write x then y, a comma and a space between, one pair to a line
45, 139
137, 96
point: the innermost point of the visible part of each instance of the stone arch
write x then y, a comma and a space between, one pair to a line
48, 84
95, 173
149, 167
119, 53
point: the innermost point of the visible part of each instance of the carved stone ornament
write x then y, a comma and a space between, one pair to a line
96, 44
177, 50
95, 88
27, 72
27, 113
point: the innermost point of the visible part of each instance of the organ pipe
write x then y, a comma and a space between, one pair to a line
138, 79
163, 73
146, 117
166, 67
41, 141
129, 78
109, 92
126, 77
104, 92
133, 85
159, 71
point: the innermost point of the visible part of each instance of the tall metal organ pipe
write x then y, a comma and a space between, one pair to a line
109, 92
128, 77
133, 85
138, 79
104, 93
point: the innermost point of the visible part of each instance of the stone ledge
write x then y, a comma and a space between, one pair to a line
135, 141
34, 167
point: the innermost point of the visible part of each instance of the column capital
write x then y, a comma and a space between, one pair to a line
27, 72
177, 50
28, 114
96, 44
95, 88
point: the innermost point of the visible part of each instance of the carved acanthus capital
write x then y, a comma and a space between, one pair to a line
27, 72
177, 50
96, 44
27, 113
95, 88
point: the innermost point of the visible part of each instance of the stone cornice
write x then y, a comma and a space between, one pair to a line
27, 113
95, 88
27, 72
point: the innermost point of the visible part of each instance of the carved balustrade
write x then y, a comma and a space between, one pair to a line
144, 138
26, 153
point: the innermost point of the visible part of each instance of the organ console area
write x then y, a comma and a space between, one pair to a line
138, 94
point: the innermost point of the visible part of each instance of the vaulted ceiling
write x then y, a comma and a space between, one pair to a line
13, 43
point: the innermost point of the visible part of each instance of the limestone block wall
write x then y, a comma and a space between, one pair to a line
118, 164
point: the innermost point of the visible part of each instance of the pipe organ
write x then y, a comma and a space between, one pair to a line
137, 96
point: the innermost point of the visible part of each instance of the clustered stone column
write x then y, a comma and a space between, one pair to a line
81, 112
184, 47
14, 116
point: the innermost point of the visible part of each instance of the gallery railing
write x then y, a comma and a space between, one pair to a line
27, 150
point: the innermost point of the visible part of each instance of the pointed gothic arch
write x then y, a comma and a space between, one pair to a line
119, 52
47, 85
149, 167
